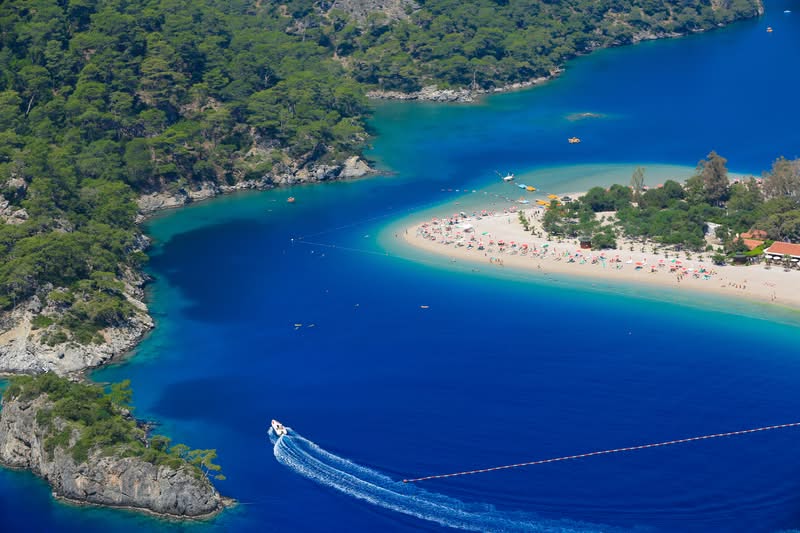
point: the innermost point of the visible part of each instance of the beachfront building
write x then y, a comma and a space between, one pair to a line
781, 250
753, 238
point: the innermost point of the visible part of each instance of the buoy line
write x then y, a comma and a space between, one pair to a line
604, 452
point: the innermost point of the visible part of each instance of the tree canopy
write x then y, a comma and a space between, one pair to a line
102, 100
93, 419
678, 214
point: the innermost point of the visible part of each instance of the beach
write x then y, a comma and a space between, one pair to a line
497, 239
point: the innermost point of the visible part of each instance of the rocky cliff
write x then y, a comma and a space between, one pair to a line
295, 173
127, 482
25, 349
361, 9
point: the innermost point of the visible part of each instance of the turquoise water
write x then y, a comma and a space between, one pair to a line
497, 369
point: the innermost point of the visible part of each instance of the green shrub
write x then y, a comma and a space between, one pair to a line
41, 321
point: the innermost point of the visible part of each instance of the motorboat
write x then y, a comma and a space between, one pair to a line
291, 199
508, 177
574, 140
278, 428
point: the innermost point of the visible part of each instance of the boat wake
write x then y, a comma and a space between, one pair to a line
311, 461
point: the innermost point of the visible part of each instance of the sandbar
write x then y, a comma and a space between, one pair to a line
498, 240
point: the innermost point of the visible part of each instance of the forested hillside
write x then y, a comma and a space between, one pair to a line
492, 43
104, 100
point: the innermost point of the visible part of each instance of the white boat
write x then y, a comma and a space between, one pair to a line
278, 428
508, 177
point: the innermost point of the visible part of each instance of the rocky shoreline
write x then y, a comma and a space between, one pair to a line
23, 348
120, 482
353, 167
432, 93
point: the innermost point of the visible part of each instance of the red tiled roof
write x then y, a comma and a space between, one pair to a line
784, 248
752, 243
754, 234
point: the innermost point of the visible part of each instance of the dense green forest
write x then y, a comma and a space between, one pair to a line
492, 43
678, 214
102, 100
83, 419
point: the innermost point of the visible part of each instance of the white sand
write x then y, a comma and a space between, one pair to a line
678, 271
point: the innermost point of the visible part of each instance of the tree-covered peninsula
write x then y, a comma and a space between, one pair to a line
485, 44
83, 440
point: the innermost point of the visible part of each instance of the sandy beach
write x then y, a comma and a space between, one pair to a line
497, 239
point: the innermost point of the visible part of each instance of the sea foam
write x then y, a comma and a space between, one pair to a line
309, 460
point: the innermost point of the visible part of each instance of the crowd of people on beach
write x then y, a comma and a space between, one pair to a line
463, 231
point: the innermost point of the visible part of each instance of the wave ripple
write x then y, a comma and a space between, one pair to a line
309, 460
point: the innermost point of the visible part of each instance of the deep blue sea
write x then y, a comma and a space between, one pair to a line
310, 313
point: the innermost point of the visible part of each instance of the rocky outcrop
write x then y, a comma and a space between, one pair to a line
432, 93
10, 214
361, 9
285, 174
103, 480
24, 350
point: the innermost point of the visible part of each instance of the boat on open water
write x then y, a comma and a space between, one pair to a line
278, 428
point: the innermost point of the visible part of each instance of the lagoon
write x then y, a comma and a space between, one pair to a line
497, 369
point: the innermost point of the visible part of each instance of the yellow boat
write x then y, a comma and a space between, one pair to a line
542, 202
552, 196
531, 189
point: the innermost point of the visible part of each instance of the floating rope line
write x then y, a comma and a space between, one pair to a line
604, 452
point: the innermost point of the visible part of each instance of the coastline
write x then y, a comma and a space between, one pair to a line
228, 503
204, 193
463, 95
541, 258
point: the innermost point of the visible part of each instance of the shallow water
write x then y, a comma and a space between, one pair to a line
496, 370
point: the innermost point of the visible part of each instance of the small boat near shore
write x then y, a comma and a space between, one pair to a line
279, 429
